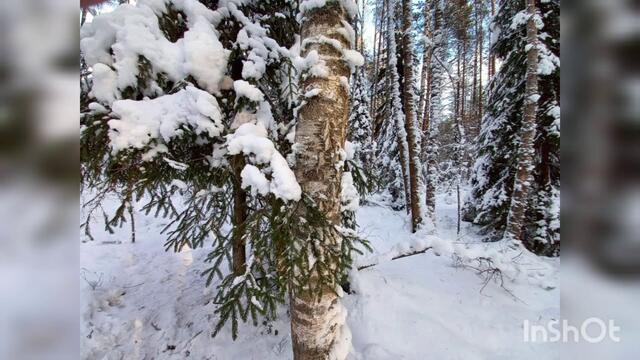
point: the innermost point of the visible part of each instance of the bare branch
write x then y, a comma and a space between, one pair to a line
416, 252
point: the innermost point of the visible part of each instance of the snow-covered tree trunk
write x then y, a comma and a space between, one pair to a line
425, 97
317, 319
360, 132
396, 103
524, 175
433, 108
415, 165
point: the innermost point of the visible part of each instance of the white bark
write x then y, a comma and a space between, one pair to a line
318, 328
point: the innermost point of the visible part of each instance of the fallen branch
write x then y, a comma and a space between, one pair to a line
487, 271
92, 278
186, 345
416, 252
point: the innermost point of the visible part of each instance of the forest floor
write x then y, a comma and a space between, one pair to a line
140, 302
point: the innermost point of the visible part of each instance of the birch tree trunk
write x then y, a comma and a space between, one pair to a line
317, 319
410, 118
524, 175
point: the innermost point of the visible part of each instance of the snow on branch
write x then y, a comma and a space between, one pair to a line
140, 122
251, 140
349, 6
115, 41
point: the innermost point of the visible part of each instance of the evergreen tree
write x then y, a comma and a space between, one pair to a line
392, 151
379, 107
358, 177
389, 168
195, 103
500, 137
524, 172
360, 131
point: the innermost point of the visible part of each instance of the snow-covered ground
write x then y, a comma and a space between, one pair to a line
140, 302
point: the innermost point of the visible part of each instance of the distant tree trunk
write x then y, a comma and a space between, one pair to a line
410, 118
458, 87
459, 209
480, 40
433, 108
361, 23
396, 104
316, 322
474, 80
240, 213
463, 83
477, 68
524, 175
458, 111
426, 66
425, 97
356, 29
372, 99
402, 152
492, 57
377, 40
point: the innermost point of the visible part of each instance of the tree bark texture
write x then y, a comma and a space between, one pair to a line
396, 104
410, 118
240, 213
435, 87
524, 175
317, 319
492, 57
426, 67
